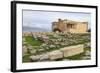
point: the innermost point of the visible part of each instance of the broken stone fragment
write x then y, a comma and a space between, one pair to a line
44, 57
24, 50
87, 53
33, 51
86, 57
41, 50
55, 55
52, 46
87, 45
30, 47
34, 58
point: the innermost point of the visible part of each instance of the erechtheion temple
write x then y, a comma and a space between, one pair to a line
70, 26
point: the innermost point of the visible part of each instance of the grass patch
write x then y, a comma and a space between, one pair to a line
30, 40
26, 58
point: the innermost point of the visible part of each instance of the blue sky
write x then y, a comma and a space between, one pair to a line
44, 19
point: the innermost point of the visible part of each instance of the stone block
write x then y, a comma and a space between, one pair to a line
72, 50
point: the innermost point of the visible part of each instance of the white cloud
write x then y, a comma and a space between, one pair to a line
44, 19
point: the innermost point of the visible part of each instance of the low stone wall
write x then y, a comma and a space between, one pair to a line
27, 34
43, 33
58, 54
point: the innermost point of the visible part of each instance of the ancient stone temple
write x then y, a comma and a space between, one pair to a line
70, 26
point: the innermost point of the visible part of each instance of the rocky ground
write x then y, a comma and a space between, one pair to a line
38, 45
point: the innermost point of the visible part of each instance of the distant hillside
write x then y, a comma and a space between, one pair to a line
34, 29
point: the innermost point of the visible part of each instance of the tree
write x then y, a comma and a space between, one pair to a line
89, 30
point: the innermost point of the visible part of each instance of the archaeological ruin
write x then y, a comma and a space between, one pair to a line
70, 26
